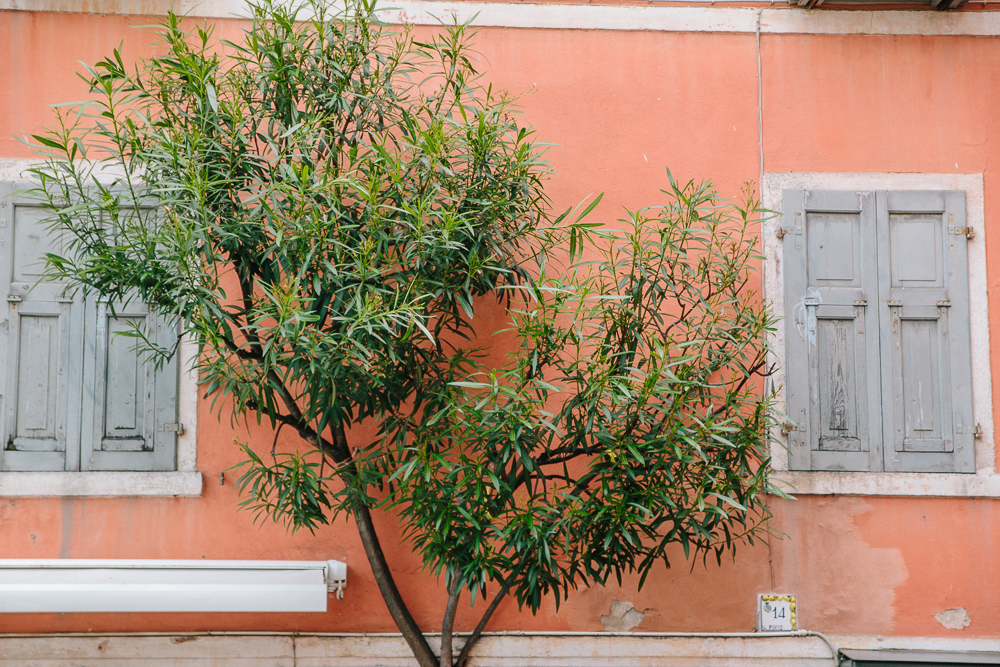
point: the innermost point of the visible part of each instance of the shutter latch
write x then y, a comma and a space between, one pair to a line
175, 427
797, 229
967, 232
975, 431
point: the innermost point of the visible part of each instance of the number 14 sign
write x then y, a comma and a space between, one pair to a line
776, 613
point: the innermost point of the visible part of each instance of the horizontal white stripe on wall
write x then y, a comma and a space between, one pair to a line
787, 20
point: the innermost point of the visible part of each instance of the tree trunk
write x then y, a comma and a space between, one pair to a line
448, 625
390, 594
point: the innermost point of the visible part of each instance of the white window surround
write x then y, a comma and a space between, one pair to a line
185, 481
985, 482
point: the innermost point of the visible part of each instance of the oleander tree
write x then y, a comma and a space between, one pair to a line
338, 206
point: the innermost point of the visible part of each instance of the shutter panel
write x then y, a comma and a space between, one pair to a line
925, 338
132, 424
40, 346
832, 370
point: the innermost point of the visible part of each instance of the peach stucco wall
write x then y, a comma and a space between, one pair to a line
620, 107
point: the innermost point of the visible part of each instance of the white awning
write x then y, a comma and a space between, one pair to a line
168, 585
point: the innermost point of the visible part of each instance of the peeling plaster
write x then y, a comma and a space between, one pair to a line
622, 617
953, 619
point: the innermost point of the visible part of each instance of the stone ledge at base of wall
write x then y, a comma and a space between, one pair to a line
496, 650
514, 649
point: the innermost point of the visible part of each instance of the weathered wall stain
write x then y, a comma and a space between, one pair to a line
844, 585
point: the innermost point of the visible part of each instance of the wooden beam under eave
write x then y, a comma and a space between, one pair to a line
947, 4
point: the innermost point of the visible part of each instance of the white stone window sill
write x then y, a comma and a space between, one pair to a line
985, 484
99, 484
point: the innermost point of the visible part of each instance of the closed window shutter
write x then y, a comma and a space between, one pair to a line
925, 338
40, 346
832, 357
131, 424
73, 396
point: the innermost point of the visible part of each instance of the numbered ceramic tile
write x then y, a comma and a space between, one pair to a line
776, 613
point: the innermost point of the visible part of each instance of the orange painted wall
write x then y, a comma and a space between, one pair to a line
620, 107
889, 104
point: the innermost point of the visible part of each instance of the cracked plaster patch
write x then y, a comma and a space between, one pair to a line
953, 619
622, 617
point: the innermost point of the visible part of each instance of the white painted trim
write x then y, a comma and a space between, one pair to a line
186, 481
950, 644
557, 16
90, 6
980, 485
985, 482
99, 484
187, 405
985, 23
576, 17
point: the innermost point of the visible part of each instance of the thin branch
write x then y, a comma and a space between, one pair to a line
463, 656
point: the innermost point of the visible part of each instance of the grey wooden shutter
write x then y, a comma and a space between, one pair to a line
832, 384
40, 346
925, 341
132, 421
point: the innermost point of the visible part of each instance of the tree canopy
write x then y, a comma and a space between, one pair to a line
337, 203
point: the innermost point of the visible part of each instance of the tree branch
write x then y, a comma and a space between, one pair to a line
463, 656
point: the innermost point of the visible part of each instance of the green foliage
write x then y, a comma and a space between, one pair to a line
630, 417
328, 206
291, 489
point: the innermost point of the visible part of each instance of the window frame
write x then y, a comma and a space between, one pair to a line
184, 480
985, 482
